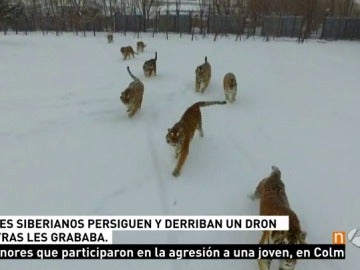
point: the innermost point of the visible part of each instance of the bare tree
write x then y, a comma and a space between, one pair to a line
113, 8
16, 13
345, 7
78, 7
33, 8
202, 4
147, 8
224, 6
4, 14
55, 12
91, 13
177, 6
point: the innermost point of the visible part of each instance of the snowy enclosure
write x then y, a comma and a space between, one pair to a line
68, 147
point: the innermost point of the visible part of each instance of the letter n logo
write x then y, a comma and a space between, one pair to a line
338, 238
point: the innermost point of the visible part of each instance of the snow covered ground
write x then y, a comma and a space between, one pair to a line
68, 147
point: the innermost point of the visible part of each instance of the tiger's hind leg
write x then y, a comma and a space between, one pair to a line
204, 85
227, 96
197, 86
233, 95
264, 264
153, 72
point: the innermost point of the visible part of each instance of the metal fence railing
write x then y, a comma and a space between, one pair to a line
282, 26
341, 28
226, 24
192, 22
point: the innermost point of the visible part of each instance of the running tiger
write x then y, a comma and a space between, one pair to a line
140, 46
203, 76
132, 96
127, 52
149, 67
110, 37
230, 87
274, 202
183, 131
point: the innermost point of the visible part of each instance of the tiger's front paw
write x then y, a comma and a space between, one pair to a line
176, 173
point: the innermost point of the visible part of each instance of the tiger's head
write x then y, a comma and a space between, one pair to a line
148, 68
126, 50
199, 71
175, 135
203, 71
125, 96
141, 44
110, 37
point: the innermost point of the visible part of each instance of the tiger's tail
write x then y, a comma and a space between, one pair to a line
132, 75
155, 56
208, 103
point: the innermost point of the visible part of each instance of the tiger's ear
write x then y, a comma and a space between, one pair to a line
169, 129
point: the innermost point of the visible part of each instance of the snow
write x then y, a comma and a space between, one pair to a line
68, 147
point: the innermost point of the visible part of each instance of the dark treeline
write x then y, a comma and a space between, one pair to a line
101, 15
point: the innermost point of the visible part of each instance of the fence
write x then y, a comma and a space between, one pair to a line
226, 24
183, 23
161, 23
132, 23
282, 26
341, 28
277, 26
173, 23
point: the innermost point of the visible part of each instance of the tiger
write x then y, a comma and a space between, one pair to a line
140, 46
132, 96
149, 67
274, 202
127, 52
203, 76
230, 87
302, 34
110, 37
183, 131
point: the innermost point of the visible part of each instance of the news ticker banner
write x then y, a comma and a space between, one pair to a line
90, 237
170, 252
99, 229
